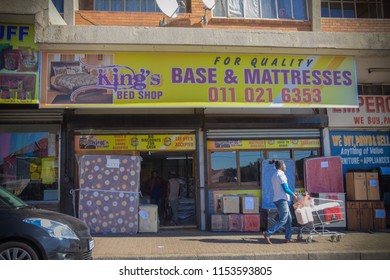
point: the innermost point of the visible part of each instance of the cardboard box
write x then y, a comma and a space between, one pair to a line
236, 222
148, 218
251, 222
304, 215
230, 204
362, 186
366, 216
379, 213
219, 222
372, 181
353, 215
356, 186
249, 204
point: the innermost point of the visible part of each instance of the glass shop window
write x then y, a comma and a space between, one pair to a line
29, 165
249, 165
279, 154
235, 167
223, 167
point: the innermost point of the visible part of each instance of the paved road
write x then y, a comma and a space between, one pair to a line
187, 244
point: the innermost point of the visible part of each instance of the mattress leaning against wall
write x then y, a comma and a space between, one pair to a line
108, 194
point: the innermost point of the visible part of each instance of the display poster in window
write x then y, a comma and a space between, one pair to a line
262, 144
147, 142
48, 173
197, 80
361, 149
22, 163
19, 57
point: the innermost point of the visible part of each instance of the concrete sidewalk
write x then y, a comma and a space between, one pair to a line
192, 244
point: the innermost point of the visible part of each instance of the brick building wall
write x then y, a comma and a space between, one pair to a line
184, 20
87, 16
355, 25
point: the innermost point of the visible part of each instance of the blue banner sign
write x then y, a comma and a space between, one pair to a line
361, 149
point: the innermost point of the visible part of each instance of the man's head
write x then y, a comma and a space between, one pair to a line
279, 164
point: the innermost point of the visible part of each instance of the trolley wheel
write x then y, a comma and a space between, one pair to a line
333, 238
309, 239
338, 238
300, 236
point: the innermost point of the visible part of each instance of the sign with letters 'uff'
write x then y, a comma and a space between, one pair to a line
197, 80
19, 60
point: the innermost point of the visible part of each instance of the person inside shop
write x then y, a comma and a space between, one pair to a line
173, 195
156, 187
281, 198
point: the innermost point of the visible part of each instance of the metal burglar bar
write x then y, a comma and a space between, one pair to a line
352, 8
270, 9
130, 6
126, 5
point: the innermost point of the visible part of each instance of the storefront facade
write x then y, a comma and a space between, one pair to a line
213, 115
361, 138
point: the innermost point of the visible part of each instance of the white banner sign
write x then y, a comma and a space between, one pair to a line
374, 111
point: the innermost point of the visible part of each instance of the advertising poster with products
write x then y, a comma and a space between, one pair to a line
145, 142
197, 80
361, 149
18, 64
263, 144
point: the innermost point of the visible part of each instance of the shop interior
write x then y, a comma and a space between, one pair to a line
181, 164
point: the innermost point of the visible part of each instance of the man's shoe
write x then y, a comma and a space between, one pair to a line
267, 238
291, 241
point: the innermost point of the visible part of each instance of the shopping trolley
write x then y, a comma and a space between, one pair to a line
314, 214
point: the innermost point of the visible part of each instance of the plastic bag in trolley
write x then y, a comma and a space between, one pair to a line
303, 209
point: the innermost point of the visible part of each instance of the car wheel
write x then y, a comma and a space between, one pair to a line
17, 251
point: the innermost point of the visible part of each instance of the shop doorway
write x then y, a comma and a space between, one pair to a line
176, 174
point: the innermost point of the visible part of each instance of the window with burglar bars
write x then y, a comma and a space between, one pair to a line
126, 5
353, 8
267, 9
129, 6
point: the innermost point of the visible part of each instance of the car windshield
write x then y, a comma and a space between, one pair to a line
8, 200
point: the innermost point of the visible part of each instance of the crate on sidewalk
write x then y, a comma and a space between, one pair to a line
236, 222
219, 222
148, 218
252, 222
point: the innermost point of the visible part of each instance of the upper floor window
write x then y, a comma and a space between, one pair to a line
268, 9
352, 9
131, 5
59, 4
